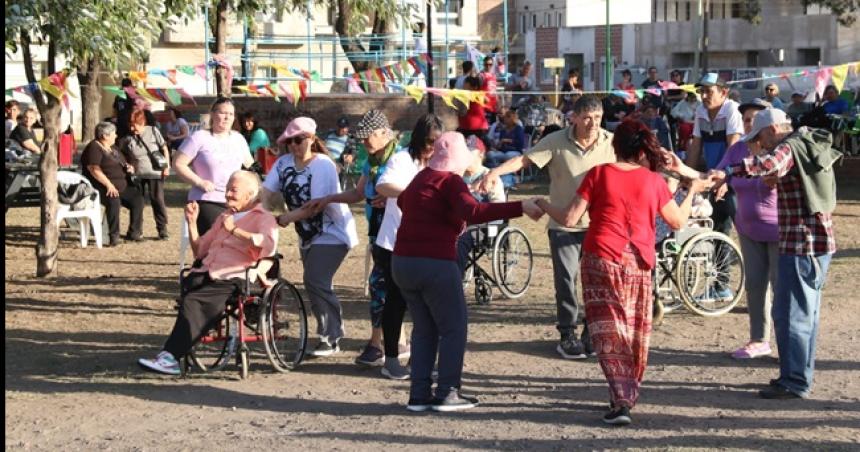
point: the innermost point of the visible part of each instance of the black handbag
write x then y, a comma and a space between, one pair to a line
155, 158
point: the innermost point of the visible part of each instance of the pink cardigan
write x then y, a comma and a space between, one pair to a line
226, 256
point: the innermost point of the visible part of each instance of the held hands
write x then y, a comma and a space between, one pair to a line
378, 201
720, 188
315, 206
192, 210
531, 208
486, 184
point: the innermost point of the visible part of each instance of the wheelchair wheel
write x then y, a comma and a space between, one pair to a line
483, 291
284, 324
710, 274
664, 288
211, 356
512, 262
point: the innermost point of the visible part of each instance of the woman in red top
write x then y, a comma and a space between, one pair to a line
622, 200
436, 206
474, 120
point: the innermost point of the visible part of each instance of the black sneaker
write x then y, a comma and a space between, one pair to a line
587, 347
454, 401
618, 416
419, 405
778, 392
571, 348
163, 235
325, 349
371, 356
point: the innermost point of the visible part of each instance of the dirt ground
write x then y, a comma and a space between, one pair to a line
72, 382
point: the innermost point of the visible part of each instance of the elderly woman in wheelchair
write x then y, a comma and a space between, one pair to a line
240, 237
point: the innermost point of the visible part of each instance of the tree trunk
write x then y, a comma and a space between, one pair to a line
351, 46
221, 48
49, 108
91, 97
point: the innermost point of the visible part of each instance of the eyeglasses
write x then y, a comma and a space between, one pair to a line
295, 140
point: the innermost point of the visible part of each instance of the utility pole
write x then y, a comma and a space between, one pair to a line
429, 52
608, 65
705, 18
697, 26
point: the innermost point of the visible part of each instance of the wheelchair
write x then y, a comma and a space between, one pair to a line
510, 254
699, 268
274, 315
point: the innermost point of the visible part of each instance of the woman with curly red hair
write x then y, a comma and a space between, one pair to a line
622, 200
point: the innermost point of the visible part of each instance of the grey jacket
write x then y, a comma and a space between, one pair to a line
136, 150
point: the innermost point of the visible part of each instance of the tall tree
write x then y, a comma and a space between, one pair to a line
92, 35
353, 18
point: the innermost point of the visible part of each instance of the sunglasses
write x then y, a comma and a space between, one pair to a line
295, 140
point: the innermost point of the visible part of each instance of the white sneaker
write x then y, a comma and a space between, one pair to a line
164, 363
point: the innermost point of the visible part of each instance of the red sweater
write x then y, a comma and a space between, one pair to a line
436, 207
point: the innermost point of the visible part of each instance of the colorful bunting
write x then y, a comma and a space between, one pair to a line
840, 73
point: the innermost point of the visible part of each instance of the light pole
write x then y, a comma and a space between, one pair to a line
608, 50
429, 52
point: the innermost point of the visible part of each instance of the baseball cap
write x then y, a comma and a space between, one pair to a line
298, 126
757, 103
711, 79
372, 120
343, 121
766, 118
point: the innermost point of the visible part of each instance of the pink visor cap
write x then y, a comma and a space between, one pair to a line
450, 153
299, 126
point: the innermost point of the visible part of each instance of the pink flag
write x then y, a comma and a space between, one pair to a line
821, 80
200, 70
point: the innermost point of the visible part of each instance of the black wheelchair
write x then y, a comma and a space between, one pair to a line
510, 254
273, 314
699, 268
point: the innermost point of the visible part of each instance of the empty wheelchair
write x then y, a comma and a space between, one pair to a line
699, 268
510, 255
274, 315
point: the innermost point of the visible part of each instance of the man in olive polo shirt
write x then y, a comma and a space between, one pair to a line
569, 154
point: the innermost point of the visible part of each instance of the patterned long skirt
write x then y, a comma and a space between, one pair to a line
618, 302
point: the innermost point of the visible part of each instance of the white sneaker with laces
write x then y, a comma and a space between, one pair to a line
164, 363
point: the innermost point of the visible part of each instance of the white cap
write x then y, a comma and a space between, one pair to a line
766, 118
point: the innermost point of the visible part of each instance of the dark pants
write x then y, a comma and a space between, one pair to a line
395, 305
433, 290
209, 212
203, 303
566, 250
155, 189
131, 199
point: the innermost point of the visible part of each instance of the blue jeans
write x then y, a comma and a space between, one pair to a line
796, 310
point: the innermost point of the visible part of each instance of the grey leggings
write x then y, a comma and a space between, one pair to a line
320, 264
760, 262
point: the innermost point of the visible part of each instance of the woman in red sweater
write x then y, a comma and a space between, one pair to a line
436, 207
622, 200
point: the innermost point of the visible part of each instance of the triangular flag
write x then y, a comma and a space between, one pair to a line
46, 86
173, 96
184, 94
189, 70
303, 89
364, 84
137, 76
380, 75
287, 92
640, 93
462, 95
821, 79
142, 92
116, 90
272, 88
200, 70
840, 73
297, 92
689, 88
171, 75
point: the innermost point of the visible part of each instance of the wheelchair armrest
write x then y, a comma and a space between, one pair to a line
273, 259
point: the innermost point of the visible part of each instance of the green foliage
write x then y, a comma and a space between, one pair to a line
845, 10
114, 31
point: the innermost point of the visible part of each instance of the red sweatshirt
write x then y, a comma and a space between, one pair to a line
436, 207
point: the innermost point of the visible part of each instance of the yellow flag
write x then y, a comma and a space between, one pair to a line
137, 76
840, 73
480, 97
462, 95
688, 88
297, 93
415, 92
48, 87
448, 97
145, 94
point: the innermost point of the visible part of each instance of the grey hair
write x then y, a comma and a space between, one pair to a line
251, 177
586, 104
104, 129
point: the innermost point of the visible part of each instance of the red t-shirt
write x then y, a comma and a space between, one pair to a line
489, 86
623, 206
475, 118
436, 206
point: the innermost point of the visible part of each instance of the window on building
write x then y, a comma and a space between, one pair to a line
654, 11
665, 10
808, 57
523, 24
677, 11
737, 10
534, 20
688, 11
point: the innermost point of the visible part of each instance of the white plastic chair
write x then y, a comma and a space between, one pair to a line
91, 216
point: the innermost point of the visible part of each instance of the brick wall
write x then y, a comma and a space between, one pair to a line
402, 111
616, 39
546, 46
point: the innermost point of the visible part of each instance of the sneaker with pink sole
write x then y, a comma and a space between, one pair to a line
752, 350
